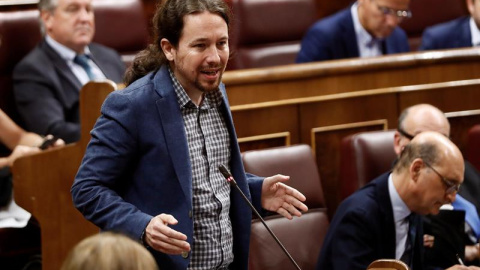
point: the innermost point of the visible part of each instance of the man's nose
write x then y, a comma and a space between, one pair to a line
450, 197
213, 55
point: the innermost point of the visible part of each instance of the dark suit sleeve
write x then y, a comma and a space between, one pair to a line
37, 98
352, 242
255, 186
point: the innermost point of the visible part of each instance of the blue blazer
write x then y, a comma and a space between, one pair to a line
137, 166
334, 38
46, 90
363, 230
448, 35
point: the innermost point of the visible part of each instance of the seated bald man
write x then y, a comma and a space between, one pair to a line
383, 219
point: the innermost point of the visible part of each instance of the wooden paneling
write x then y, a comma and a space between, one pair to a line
281, 102
325, 143
343, 76
42, 184
264, 141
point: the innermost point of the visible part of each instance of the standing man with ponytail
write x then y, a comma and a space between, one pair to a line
151, 167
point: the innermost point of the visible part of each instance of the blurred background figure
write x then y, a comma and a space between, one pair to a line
19, 231
460, 32
48, 80
110, 251
367, 28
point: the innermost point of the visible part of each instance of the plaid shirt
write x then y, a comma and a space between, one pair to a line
209, 146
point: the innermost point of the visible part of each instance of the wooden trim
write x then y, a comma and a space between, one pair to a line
379, 91
383, 122
277, 135
462, 113
18, 2
335, 67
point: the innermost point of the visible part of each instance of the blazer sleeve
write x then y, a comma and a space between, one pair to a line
106, 170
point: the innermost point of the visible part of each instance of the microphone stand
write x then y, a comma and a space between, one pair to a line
232, 181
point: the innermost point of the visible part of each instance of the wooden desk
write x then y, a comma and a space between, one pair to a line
42, 184
320, 103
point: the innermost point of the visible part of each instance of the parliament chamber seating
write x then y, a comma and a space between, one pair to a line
268, 32
302, 237
363, 157
122, 25
42, 184
20, 32
473, 146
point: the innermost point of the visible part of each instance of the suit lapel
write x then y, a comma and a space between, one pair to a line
103, 62
465, 38
62, 68
389, 223
174, 130
67, 95
349, 37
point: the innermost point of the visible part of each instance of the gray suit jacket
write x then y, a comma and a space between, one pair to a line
46, 90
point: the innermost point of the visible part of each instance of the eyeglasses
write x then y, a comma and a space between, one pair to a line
451, 185
405, 134
399, 14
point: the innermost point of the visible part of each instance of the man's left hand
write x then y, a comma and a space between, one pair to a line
280, 198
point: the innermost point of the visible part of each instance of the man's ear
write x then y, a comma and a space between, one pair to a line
415, 168
396, 143
46, 17
168, 49
471, 6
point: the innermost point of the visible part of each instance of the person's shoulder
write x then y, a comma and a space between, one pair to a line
94, 47
332, 22
367, 197
449, 27
35, 56
36, 61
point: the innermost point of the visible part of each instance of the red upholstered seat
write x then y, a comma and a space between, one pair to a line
121, 24
268, 32
364, 156
302, 237
473, 146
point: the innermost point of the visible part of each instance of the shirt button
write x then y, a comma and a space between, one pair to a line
190, 214
185, 254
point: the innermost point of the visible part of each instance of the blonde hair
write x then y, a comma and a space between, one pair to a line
110, 251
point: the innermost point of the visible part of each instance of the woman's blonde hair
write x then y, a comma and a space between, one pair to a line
111, 251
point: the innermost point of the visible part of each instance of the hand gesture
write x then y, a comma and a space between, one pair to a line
280, 198
163, 238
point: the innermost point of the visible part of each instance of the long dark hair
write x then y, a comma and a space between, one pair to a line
168, 24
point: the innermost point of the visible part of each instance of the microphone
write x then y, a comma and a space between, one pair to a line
232, 182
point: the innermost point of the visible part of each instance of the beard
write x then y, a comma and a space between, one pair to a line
209, 87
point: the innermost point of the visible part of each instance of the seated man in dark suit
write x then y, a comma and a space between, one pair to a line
425, 117
47, 81
382, 220
461, 32
367, 28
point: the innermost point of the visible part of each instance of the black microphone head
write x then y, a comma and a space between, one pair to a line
224, 171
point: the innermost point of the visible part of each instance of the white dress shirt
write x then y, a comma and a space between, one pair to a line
400, 214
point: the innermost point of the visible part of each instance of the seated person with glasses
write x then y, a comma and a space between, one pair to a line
424, 117
458, 33
383, 219
367, 28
